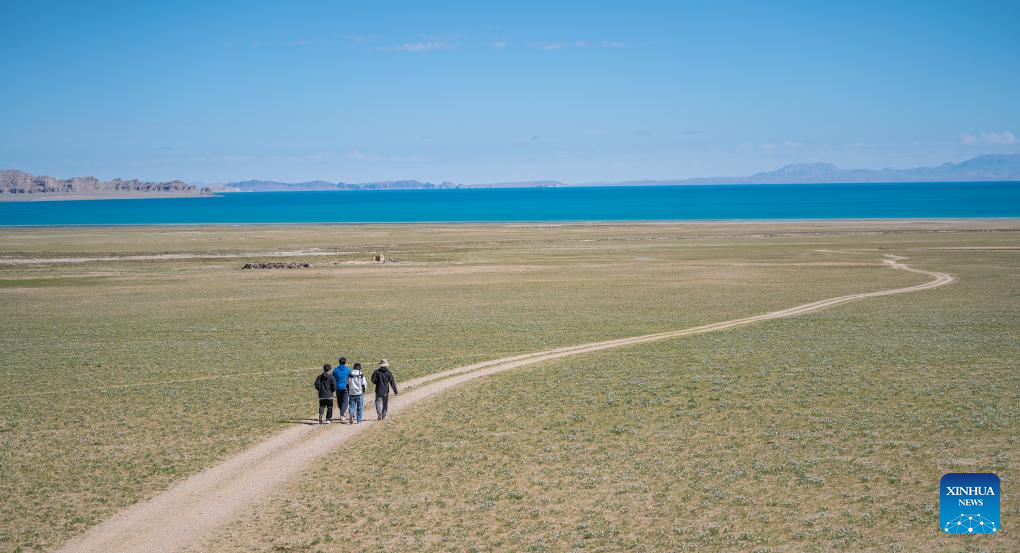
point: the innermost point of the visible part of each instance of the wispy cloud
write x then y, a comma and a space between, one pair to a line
553, 45
423, 45
684, 132
562, 45
1004, 137
600, 44
500, 45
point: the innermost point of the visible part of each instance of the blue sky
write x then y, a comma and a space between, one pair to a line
501, 91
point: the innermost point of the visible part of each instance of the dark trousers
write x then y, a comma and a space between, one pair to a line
342, 400
327, 406
382, 405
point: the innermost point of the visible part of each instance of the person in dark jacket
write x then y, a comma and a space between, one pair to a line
383, 380
340, 376
326, 386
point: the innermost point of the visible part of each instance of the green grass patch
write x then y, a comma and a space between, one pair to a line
159, 368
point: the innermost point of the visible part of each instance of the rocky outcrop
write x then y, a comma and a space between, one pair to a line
19, 182
253, 266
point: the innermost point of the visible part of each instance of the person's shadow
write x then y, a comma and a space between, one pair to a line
308, 422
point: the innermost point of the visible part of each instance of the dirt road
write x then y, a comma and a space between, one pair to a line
172, 520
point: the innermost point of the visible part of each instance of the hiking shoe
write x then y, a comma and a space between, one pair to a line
327, 422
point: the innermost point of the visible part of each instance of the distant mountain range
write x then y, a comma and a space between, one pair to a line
19, 182
984, 168
274, 186
1004, 167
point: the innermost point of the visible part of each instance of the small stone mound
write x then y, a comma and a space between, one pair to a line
251, 266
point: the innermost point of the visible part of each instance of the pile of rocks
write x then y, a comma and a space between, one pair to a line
277, 266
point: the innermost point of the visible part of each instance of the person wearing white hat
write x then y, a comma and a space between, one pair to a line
383, 380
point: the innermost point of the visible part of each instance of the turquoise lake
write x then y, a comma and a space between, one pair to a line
651, 203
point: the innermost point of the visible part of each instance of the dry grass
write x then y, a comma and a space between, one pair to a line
826, 432
161, 367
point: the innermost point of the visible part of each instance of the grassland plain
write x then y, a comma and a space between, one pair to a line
163, 366
824, 432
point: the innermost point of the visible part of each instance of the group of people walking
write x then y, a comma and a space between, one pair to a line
350, 386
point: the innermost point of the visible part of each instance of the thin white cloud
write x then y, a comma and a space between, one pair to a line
994, 138
562, 45
1004, 137
500, 45
423, 45
553, 45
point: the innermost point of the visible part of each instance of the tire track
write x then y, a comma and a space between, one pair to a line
178, 517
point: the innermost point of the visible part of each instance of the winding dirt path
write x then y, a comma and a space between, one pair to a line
181, 515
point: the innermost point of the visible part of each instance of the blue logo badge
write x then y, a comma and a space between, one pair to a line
969, 503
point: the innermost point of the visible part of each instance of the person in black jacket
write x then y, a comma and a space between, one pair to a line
383, 380
325, 384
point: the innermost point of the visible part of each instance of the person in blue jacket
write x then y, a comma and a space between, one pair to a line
340, 376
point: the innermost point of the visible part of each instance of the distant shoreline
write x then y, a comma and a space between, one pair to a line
122, 195
636, 184
63, 197
576, 204
535, 223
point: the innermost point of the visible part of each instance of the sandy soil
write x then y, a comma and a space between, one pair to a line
163, 256
178, 517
